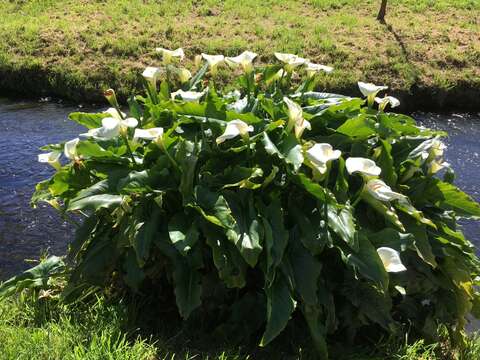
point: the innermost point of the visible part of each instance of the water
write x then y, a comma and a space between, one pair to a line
25, 126
25, 232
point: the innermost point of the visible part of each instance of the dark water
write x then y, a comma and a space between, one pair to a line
25, 126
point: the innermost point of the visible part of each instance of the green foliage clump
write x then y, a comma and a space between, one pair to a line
268, 202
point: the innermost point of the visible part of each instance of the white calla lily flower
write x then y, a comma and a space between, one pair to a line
291, 61
213, 61
189, 96
320, 154
115, 114
111, 127
233, 129
148, 134
362, 165
295, 118
52, 158
244, 60
391, 259
431, 153
370, 91
381, 191
70, 149
151, 74
313, 69
387, 100
169, 55
239, 105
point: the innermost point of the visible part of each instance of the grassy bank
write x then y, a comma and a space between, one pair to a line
32, 329
428, 52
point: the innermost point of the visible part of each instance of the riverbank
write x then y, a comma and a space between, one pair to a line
427, 53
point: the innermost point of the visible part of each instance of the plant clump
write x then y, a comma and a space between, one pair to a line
268, 195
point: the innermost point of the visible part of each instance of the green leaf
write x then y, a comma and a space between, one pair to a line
134, 275
227, 259
145, 236
280, 306
341, 221
360, 127
276, 235
367, 262
90, 121
91, 149
385, 161
96, 202
292, 152
213, 207
37, 277
183, 232
187, 158
247, 234
444, 195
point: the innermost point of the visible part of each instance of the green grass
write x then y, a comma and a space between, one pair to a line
44, 329
76, 48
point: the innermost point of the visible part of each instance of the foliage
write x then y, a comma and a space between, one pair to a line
267, 202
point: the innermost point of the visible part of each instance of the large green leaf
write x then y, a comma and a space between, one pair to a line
443, 195
360, 127
226, 257
183, 232
280, 306
96, 202
367, 262
90, 121
35, 278
276, 235
292, 152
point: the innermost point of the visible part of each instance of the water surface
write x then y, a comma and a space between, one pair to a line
25, 126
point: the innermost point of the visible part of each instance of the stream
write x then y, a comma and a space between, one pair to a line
26, 126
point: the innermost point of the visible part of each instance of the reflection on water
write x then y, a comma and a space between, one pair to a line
25, 126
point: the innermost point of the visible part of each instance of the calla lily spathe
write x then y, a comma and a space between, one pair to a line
115, 114
233, 129
151, 74
320, 154
111, 127
381, 191
239, 105
291, 61
313, 69
244, 60
169, 55
295, 118
148, 134
213, 61
363, 166
70, 149
189, 96
387, 100
431, 153
391, 259
370, 91
51, 158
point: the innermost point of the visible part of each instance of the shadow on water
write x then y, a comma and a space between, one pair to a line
26, 126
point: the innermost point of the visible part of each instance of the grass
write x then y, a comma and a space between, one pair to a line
428, 48
45, 329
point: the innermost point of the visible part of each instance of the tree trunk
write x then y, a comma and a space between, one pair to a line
383, 11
